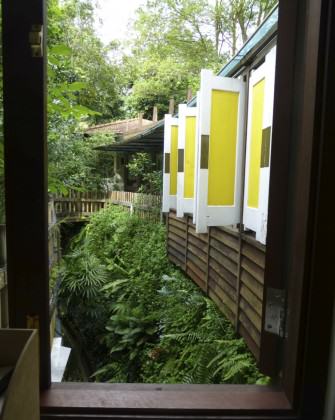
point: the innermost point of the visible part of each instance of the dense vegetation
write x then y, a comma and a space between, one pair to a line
137, 317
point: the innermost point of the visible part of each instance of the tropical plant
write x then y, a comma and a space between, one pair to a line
140, 319
142, 167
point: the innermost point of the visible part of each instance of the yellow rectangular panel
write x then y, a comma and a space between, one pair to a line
189, 157
222, 148
256, 143
174, 160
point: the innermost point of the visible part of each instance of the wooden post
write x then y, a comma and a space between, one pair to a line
140, 119
171, 106
155, 114
186, 244
24, 81
189, 95
208, 259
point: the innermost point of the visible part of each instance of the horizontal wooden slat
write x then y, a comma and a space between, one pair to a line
254, 254
198, 243
196, 270
253, 347
223, 273
178, 223
249, 326
253, 269
175, 237
175, 260
177, 255
201, 236
178, 232
198, 252
250, 239
224, 261
231, 291
252, 299
229, 314
224, 249
224, 297
230, 230
255, 286
192, 257
162, 401
196, 278
225, 238
177, 246
251, 314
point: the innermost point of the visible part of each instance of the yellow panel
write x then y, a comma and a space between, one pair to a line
189, 157
256, 143
222, 148
174, 160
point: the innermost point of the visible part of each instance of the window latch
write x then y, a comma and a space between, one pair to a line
36, 40
275, 312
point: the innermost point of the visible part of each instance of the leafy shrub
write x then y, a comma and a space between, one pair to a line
140, 319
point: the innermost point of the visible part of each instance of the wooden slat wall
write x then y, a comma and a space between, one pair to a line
228, 267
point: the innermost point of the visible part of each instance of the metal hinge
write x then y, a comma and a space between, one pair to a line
275, 312
36, 40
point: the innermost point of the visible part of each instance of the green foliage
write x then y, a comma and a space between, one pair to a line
83, 87
142, 166
173, 40
142, 320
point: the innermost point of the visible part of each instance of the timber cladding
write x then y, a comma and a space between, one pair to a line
228, 267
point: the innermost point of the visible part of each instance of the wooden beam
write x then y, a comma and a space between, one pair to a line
26, 171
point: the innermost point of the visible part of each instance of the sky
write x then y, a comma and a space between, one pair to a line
115, 15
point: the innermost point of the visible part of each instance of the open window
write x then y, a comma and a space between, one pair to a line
257, 172
187, 143
221, 128
298, 253
170, 168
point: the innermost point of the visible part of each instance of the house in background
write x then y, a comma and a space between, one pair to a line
131, 136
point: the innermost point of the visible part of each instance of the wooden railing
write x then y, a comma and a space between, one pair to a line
80, 205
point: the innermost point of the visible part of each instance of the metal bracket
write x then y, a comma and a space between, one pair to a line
275, 312
36, 40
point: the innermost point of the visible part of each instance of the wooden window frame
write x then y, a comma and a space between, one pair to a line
300, 218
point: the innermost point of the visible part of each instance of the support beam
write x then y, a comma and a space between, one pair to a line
24, 69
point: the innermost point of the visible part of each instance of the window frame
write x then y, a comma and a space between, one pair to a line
298, 199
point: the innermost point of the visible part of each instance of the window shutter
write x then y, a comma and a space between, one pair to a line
257, 174
187, 152
170, 163
221, 104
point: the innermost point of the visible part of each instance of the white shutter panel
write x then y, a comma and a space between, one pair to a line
186, 159
221, 104
170, 163
257, 174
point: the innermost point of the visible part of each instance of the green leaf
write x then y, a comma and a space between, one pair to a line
76, 86
61, 49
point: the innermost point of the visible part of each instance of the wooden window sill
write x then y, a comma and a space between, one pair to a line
89, 398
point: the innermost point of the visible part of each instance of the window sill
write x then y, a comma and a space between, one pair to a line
92, 398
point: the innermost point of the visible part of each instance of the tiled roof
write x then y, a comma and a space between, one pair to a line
122, 127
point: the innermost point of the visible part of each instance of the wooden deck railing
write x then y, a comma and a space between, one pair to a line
78, 205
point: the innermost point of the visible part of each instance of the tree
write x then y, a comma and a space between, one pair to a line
169, 46
83, 87
235, 20
173, 40
150, 177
